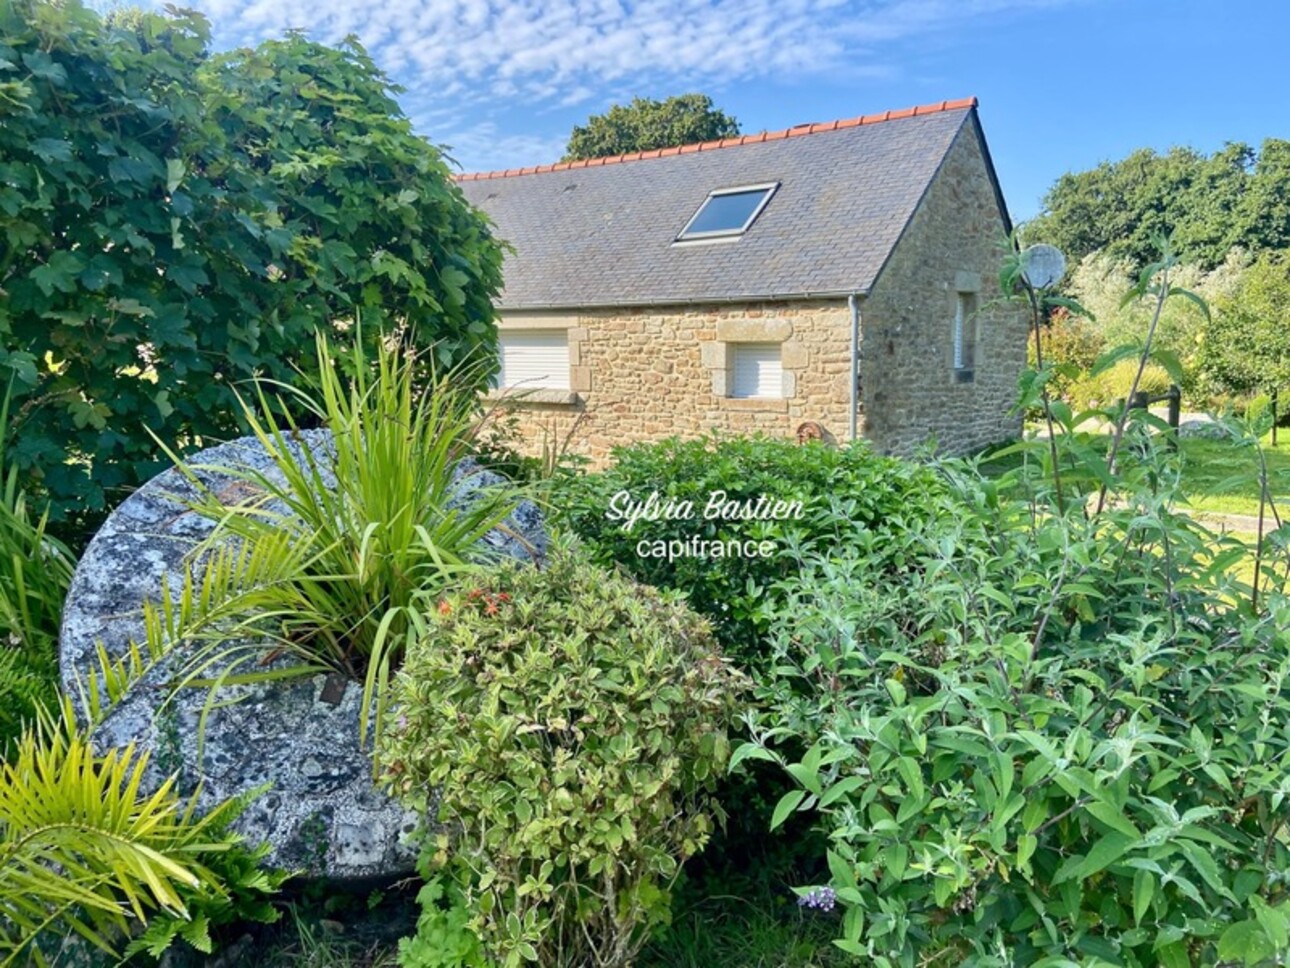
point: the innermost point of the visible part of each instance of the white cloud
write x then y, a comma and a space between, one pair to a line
530, 47
536, 55
483, 147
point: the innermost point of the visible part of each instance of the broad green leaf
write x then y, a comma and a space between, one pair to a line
1273, 921
1245, 942
175, 170
843, 874
751, 751
1144, 888
1191, 297
1102, 855
842, 788
1026, 845
1114, 356
786, 805
806, 776
1169, 360
912, 774
1113, 818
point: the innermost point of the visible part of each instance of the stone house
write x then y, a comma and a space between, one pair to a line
832, 280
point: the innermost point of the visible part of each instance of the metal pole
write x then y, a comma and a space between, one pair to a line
854, 305
1175, 413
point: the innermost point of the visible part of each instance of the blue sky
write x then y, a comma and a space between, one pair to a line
1063, 84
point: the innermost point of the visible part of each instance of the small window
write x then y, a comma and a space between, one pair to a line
728, 211
757, 370
534, 359
965, 338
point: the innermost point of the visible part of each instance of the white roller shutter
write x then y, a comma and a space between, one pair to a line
758, 371
534, 359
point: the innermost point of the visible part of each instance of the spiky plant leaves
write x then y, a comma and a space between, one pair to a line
83, 849
327, 560
35, 572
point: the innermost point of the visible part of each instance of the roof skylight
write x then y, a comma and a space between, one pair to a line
727, 212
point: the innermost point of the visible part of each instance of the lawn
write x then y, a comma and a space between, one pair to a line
1218, 476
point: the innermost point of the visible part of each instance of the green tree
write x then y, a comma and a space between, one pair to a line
1207, 203
173, 223
1267, 202
1098, 282
1246, 346
646, 124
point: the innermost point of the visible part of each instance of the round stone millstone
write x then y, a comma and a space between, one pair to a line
322, 814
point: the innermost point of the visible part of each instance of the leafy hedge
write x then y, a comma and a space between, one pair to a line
1110, 387
1055, 739
851, 497
573, 723
172, 223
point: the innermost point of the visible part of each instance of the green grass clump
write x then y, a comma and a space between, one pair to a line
1223, 477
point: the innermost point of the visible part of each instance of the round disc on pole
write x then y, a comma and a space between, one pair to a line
1042, 266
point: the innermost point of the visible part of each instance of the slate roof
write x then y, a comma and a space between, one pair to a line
600, 233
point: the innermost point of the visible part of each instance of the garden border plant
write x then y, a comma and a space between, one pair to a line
1059, 737
327, 563
35, 572
571, 724
83, 850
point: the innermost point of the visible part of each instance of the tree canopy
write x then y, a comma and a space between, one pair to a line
647, 124
173, 223
1207, 203
1246, 347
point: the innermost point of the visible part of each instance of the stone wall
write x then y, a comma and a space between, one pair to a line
646, 374
911, 390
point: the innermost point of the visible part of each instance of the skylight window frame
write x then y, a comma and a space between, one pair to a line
768, 188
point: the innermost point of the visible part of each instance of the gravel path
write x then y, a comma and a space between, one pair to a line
1245, 523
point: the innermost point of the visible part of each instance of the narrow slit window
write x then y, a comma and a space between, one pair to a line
965, 337
728, 211
758, 370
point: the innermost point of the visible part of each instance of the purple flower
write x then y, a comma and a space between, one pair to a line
818, 899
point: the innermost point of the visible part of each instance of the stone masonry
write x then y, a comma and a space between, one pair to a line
654, 373
650, 373
954, 243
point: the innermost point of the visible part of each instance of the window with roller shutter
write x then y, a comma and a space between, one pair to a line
757, 370
534, 359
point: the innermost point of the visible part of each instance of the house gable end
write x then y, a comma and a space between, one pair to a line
941, 349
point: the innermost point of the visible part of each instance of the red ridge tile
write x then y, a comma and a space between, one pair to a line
796, 131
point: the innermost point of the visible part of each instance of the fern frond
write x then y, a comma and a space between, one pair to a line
82, 847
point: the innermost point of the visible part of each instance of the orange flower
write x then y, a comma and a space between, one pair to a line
444, 607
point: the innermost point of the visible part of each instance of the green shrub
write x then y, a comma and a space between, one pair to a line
572, 723
176, 222
83, 851
1112, 385
35, 572
850, 497
1071, 344
444, 938
1051, 741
